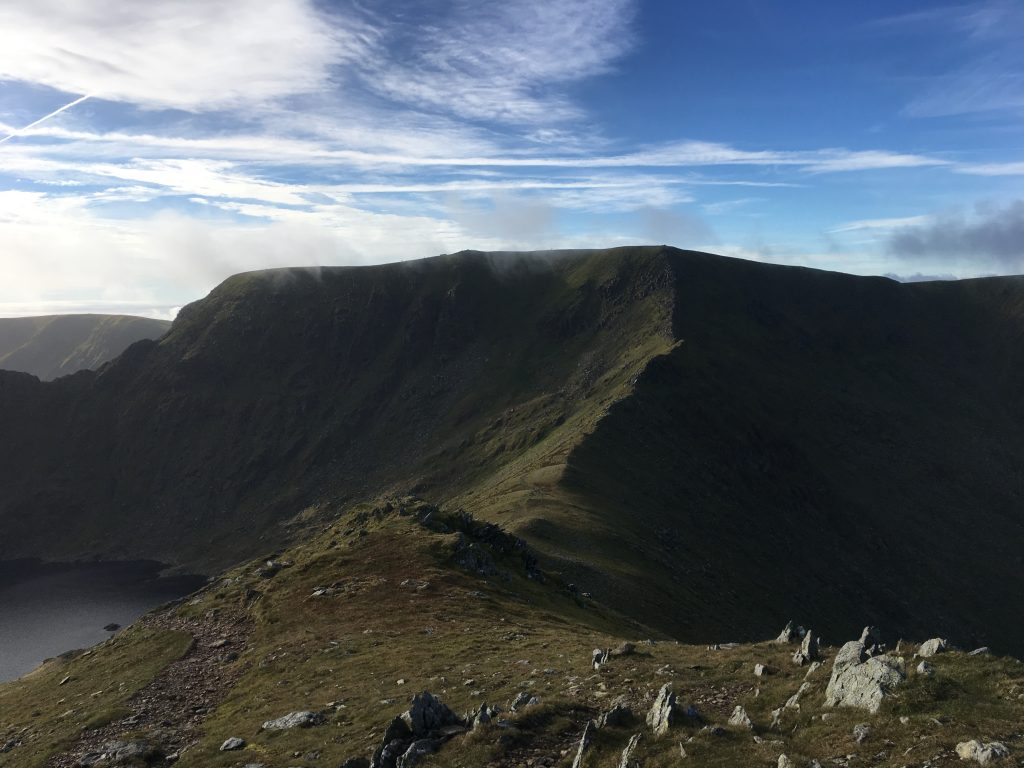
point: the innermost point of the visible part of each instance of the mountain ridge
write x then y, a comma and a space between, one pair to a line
681, 434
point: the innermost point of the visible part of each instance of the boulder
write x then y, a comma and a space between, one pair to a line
861, 731
861, 681
427, 713
740, 719
924, 668
663, 713
931, 647
983, 651
981, 753
760, 670
302, 719
232, 744
627, 760
785, 762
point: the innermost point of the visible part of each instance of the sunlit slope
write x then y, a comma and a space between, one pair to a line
57, 345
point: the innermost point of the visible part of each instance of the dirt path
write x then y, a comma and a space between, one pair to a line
172, 708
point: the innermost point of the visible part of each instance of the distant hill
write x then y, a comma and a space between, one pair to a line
708, 445
56, 345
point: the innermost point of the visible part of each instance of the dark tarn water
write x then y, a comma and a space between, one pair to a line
48, 609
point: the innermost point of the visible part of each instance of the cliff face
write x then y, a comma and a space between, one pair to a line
707, 444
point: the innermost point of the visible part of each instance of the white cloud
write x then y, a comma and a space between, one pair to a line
187, 54
861, 225
502, 62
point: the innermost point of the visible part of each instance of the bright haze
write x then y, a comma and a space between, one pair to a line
150, 149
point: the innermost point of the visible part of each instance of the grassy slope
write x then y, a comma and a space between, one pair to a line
402, 612
58, 345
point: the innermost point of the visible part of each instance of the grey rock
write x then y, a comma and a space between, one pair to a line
397, 730
523, 700
302, 719
416, 751
480, 716
387, 755
618, 714
924, 668
122, 753
861, 681
427, 713
623, 649
662, 714
815, 666
808, 650
232, 744
760, 670
790, 633
793, 702
931, 647
785, 762
598, 657
981, 753
861, 731
627, 760
585, 739
871, 638
740, 719
983, 651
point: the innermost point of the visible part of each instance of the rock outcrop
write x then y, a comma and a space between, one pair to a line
663, 714
294, 720
931, 647
862, 681
981, 753
627, 760
417, 732
808, 651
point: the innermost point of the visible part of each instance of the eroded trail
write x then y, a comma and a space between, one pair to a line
168, 714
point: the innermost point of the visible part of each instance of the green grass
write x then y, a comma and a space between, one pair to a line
400, 611
46, 716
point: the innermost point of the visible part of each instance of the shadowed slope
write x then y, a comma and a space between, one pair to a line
289, 390
845, 450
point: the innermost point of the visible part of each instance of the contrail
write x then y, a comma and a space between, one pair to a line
44, 118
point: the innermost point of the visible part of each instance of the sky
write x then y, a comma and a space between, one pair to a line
150, 149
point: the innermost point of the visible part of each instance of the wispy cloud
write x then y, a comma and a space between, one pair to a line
215, 54
499, 62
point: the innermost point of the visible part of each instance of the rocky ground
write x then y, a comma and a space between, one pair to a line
403, 636
172, 707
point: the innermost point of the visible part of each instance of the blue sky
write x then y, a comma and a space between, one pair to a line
207, 137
